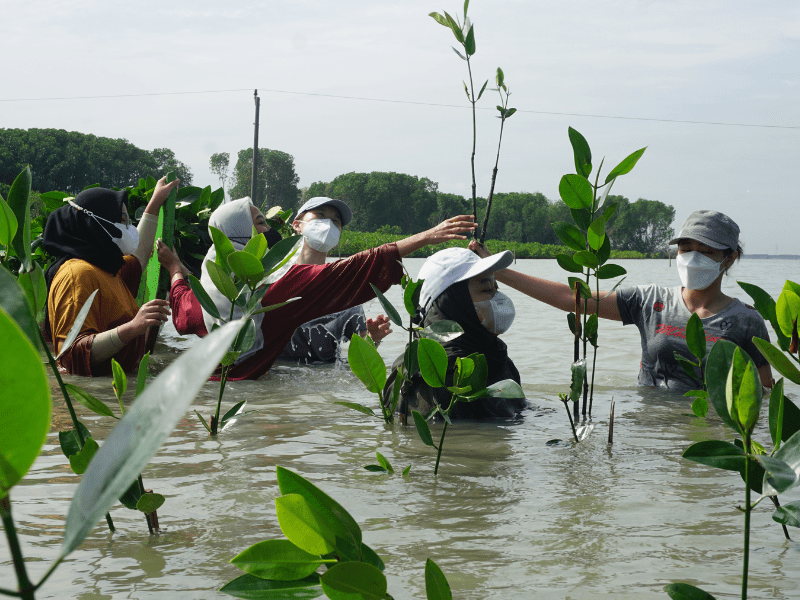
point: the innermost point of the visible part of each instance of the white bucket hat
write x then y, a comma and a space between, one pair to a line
452, 265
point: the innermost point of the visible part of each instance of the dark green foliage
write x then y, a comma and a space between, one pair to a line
276, 183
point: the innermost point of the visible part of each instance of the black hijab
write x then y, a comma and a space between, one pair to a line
72, 233
455, 304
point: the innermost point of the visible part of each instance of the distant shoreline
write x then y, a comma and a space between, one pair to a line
773, 256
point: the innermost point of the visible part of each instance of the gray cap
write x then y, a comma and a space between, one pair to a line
711, 228
344, 210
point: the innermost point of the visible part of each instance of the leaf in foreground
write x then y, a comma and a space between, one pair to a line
140, 433
684, 591
277, 559
352, 580
250, 587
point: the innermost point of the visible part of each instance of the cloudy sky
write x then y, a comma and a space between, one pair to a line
712, 89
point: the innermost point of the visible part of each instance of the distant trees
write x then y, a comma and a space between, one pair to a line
643, 226
219, 163
69, 160
276, 180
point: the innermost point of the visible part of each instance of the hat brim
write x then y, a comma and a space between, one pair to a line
490, 264
344, 210
699, 238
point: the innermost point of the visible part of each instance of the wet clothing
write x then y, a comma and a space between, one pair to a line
114, 305
317, 341
661, 316
323, 289
455, 304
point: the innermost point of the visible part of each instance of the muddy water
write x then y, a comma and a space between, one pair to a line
508, 517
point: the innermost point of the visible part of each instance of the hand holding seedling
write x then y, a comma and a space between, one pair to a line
151, 314
160, 194
170, 261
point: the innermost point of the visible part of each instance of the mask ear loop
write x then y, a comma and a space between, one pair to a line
94, 216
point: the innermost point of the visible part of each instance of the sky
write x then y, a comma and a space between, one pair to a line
711, 88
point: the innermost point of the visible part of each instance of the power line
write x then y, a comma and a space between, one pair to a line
385, 100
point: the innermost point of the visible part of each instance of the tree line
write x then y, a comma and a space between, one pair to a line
386, 202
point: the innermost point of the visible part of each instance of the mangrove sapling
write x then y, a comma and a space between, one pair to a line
697, 344
384, 466
128, 448
241, 276
319, 531
735, 391
587, 237
465, 35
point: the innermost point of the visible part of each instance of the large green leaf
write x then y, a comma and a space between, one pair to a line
597, 233
120, 381
576, 191
246, 337
610, 271
436, 585
788, 454
565, 262
765, 305
778, 476
696, 336
8, 223
778, 360
391, 311
411, 296
202, 297
15, 304
571, 236
432, 362
366, 363
246, 267
222, 246
89, 401
257, 246
582, 217
24, 404
626, 165
19, 201
354, 581
581, 152
684, 591
716, 453
587, 258
222, 281
140, 433
279, 254
442, 331
787, 310
788, 514
305, 526
78, 324
292, 483
422, 428
469, 42
79, 461
278, 559
718, 365
255, 588
506, 388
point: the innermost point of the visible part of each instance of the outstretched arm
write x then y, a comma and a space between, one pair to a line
449, 229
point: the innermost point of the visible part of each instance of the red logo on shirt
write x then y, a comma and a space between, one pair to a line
658, 306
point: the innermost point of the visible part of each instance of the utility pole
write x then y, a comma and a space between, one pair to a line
255, 152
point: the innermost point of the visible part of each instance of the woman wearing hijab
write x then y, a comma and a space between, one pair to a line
459, 286
323, 289
97, 248
708, 245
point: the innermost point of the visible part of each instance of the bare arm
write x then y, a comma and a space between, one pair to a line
449, 229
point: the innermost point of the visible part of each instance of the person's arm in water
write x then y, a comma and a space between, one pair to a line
449, 229
553, 293
149, 221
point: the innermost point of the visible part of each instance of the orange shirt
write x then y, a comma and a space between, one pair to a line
114, 305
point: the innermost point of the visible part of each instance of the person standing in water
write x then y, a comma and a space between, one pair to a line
708, 245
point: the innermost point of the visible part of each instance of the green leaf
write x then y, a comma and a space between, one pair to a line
279, 254
406, 471
604, 252
591, 326
469, 42
684, 591
203, 421
271, 307
360, 408
385, 464
716, 453
150, 502
597, 233
232, 412
139, 434
700, 407
578, 369
257, 246
436, 585
432, 362
202, 297
375, 468
582, 217
788, 514
246, 267
717, 366
422, 428
687, 365
576, 192
787, 310
585, 292
120, 382
455, 28
765, 305
507, 388
777, 474
573, 324
304, 525
222, 281
581, 151
369, 556
626, 165
571, 236
69, 442
79, 461
19, 202
464, 369
586, 258
141, 374
442, 331
610, 272
510, 112
499, 77
366, 364
130, 498
696, 336
410, 358
565, 262
223, 247
78, 324
246, 338
354, 581
278, 559
255, 588
791, 419
776, 412
292, 483
411, 297
89, 401
8, 223
778, 360
23, 425
15, 305
439, 19
391, 311
485, 83
466, 7
788, 454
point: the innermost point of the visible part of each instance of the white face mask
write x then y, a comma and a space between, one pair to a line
697, 271
496, 314
130, 235
321, 234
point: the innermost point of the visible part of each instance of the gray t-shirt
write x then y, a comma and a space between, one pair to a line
661, 316
318, 340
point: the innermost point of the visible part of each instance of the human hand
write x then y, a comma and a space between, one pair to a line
378, 328
479, 249
161, 192
453, 228
151, 314
169, 260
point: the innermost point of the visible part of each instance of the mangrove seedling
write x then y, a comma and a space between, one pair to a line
319, 531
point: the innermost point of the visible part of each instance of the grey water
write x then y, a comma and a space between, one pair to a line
508, 516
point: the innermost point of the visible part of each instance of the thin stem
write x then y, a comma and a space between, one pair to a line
439, 453
223, 378
572, 423
747, 510
494, 172
778, 505
142, 493
473, 101
25, 587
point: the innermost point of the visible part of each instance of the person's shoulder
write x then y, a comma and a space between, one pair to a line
77, 269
